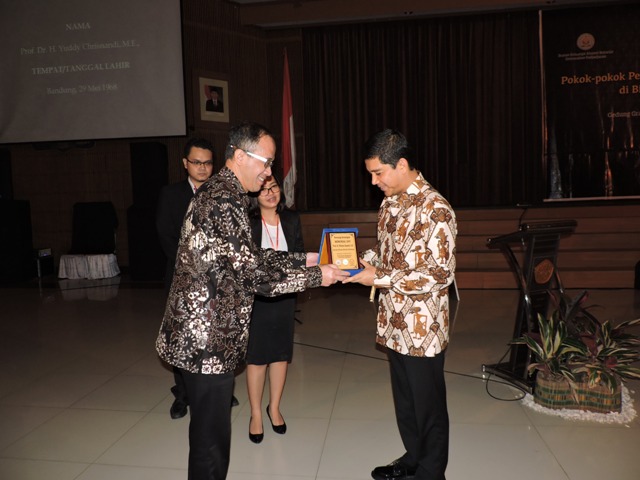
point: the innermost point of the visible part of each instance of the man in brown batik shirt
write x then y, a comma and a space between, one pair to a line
412, 266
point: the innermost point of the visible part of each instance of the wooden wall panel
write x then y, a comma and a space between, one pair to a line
601, 253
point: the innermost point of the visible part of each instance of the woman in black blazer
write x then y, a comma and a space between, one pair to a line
272, 323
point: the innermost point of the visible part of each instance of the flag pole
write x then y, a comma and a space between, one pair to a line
288, 137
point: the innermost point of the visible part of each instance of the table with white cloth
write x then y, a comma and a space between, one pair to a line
88, 266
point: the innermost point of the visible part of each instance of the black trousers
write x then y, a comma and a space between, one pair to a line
420, 399
179, 390
210, 424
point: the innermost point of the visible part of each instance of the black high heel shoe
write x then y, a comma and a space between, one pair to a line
255, 437
281, 429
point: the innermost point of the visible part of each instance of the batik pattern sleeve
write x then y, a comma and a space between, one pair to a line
206, 322
417, 244
205, 326
281, 272
416, 240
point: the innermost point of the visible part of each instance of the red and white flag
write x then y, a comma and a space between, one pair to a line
288, 137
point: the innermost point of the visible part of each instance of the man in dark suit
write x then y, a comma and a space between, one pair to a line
174, 199
214, 103
172, 206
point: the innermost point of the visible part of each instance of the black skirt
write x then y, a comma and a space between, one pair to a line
271, 330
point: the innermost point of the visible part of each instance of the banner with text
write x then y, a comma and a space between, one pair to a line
591, 64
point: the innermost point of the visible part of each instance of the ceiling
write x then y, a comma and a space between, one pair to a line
287, 13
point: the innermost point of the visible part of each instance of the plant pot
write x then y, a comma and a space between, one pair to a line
556, 393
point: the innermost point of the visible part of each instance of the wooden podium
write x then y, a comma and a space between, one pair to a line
537, 275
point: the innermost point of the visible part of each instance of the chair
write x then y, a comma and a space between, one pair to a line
93, 242
94, 228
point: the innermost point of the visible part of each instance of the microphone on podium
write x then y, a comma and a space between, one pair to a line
525, 207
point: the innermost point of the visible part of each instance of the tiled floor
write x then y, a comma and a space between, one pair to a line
83, 395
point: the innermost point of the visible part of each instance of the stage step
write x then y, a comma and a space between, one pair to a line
602, 252
587, 279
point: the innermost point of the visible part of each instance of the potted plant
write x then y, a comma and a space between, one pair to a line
580, 362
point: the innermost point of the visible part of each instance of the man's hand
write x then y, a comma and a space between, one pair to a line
332, 274
312, 259
365, 277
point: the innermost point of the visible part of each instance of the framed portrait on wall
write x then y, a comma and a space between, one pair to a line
211, 96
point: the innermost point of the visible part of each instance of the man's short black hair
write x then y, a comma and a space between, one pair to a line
198, 143
389, 146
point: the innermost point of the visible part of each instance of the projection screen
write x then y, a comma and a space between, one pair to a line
90, 69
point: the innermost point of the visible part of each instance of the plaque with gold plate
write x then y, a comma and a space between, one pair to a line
339, 246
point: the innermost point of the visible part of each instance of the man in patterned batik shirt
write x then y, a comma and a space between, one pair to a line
412, 266
205, 329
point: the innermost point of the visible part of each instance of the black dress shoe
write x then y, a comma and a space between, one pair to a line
396, 470
281, 429
178, 409
234, 401
255, 437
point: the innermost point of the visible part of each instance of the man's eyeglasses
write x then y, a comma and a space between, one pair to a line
267, 191
268, 162
208, 163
